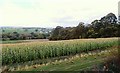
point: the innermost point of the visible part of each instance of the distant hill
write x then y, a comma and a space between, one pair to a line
24, 33
25, 29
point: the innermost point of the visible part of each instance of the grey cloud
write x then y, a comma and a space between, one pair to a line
66, 21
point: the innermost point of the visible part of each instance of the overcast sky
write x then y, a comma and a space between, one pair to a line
52, 13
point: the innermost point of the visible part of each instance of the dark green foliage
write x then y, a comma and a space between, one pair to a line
107, 26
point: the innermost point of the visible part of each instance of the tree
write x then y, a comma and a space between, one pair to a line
107, 26
55, 33
14, 36
36, 30
80, 30
96, 24
109, 19
3, 30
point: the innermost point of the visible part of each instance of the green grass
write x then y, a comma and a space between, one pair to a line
72, 63
76, 64
12, 41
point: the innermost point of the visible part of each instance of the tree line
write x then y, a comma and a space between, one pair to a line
24, 36
107, 26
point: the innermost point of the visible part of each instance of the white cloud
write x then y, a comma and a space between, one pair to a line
50, 13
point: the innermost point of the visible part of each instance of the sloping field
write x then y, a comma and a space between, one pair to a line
87, 61
20, 53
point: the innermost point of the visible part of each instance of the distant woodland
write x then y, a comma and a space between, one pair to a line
107, 26
20, 33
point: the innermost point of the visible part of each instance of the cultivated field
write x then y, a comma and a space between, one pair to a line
37, 53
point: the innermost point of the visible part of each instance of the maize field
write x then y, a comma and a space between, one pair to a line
24, 52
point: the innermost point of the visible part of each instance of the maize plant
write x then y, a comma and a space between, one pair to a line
20, 53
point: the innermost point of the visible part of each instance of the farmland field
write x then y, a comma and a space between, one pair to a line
37, 53
22, 41
50, 36
22, 30
76, 63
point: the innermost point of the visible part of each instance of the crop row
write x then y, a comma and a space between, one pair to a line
30, 52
